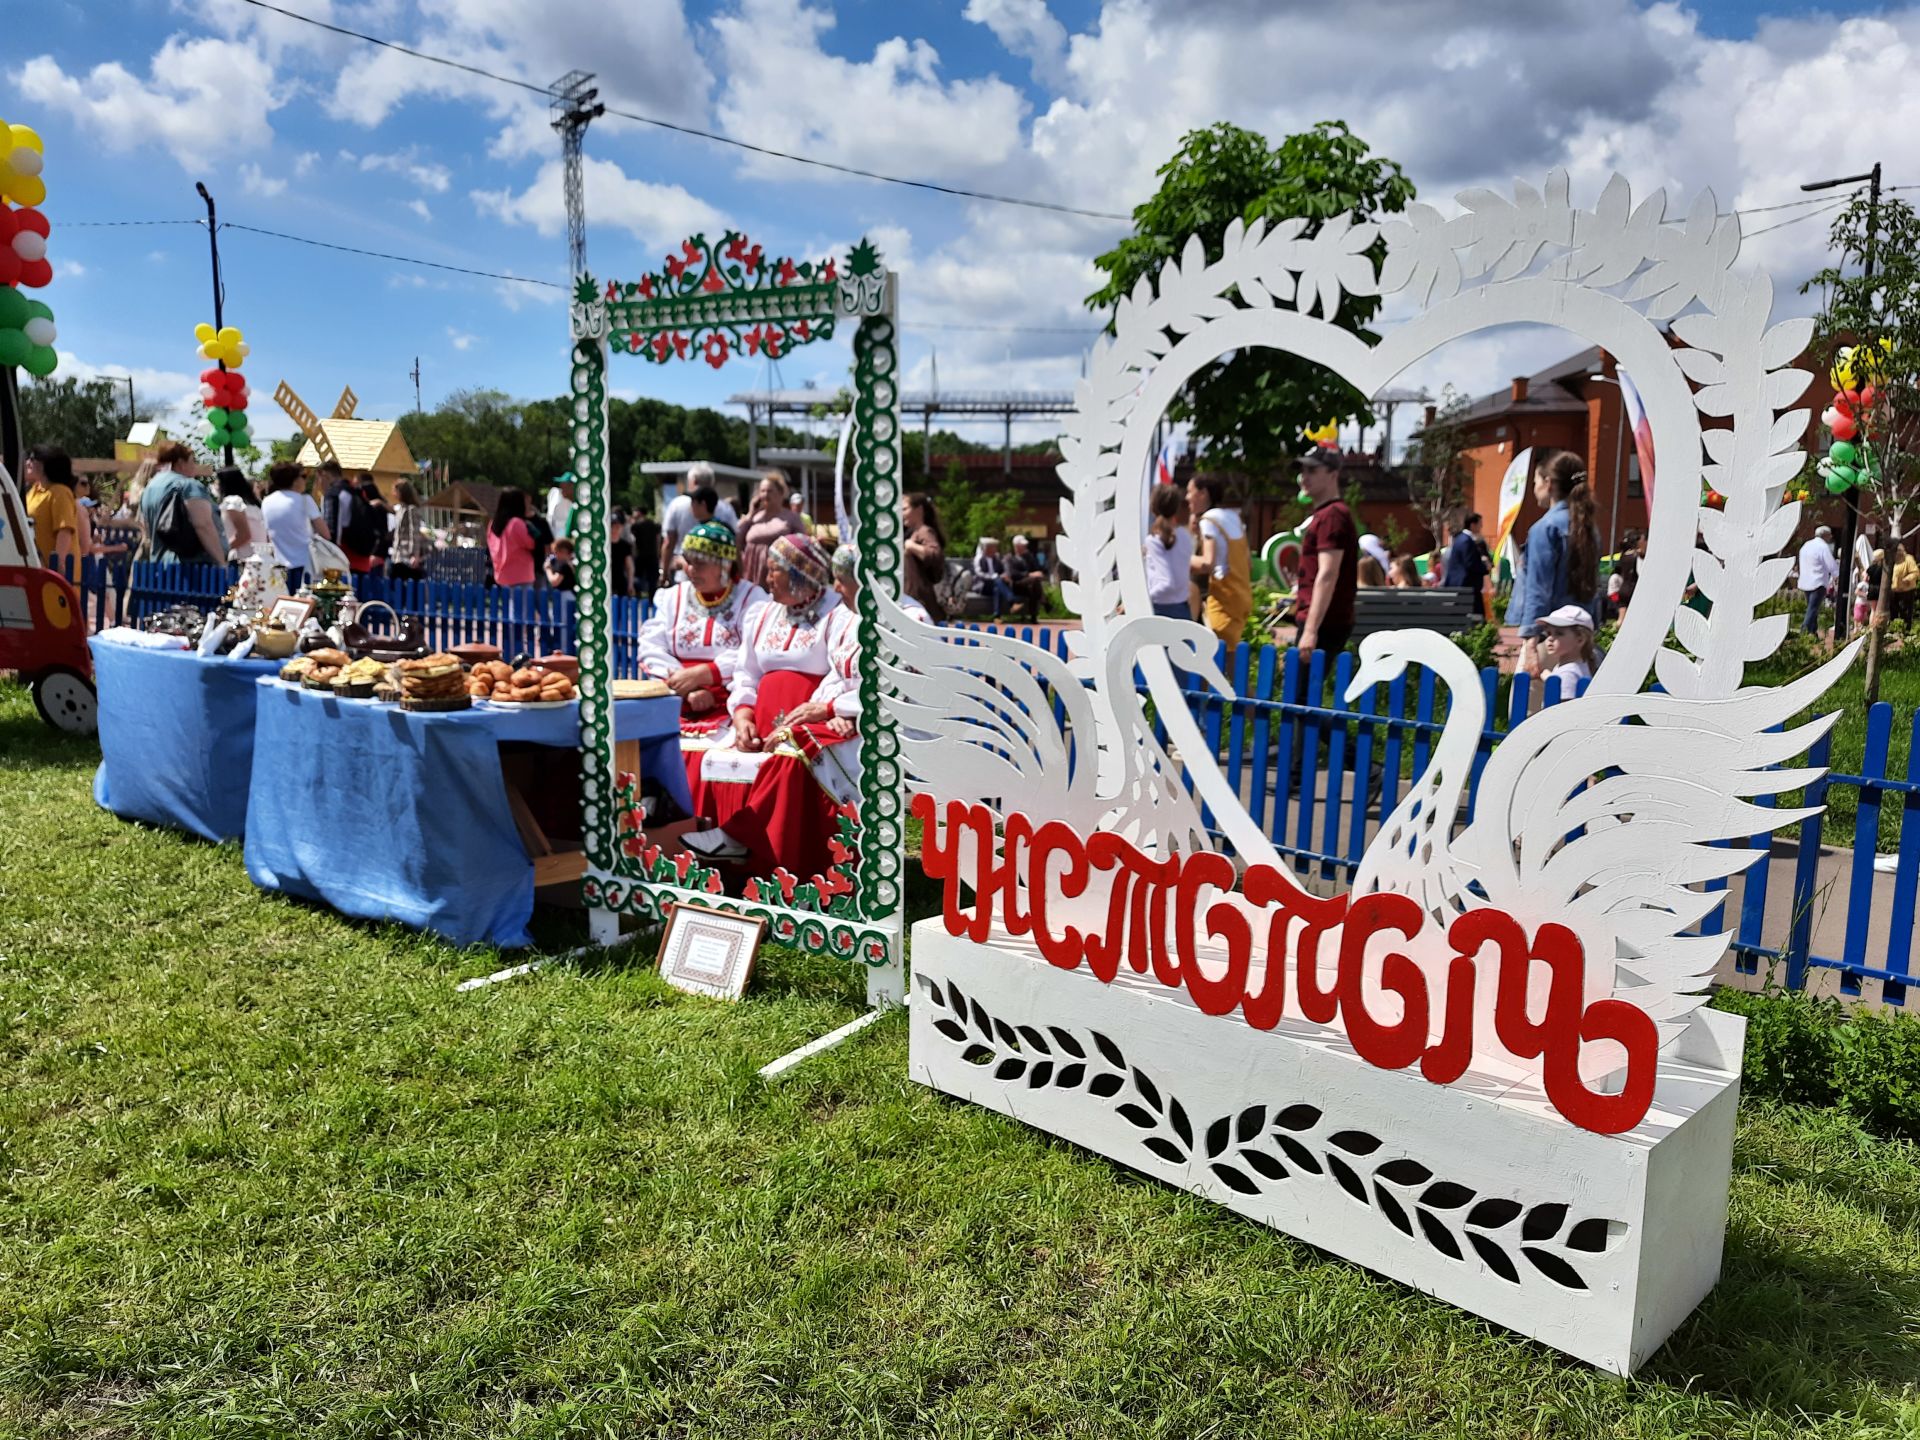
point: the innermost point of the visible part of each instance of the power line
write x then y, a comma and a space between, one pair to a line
1782, 224
117, 224
694, 131
383, 255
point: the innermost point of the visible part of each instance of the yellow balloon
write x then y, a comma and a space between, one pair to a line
6, 139
24, 135
1326, 434
203, 332
229, 336
26, 190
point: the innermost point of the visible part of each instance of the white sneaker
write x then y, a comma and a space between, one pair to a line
714, 844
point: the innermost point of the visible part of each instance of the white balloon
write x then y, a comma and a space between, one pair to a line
29, 246
25, 161
40, 330
207, 392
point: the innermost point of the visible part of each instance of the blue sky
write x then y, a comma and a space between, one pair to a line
1070, 100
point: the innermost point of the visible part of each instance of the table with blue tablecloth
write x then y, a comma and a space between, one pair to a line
176, 736
386, 813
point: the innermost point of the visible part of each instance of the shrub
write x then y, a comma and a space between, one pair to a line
1479, 643
1818, 1052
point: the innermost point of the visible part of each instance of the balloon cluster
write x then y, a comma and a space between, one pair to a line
225, 393
26, 333
26, 326
223, 346
1850, 459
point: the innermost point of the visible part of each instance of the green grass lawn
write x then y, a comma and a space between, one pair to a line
263, 1173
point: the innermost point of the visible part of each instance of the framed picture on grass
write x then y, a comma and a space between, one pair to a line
710, 952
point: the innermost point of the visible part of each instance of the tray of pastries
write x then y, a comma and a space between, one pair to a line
499, 683
432, 683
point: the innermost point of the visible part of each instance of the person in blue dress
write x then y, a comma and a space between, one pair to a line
1562, 564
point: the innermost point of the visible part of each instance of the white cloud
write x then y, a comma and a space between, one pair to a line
893, 112
419, 207
256, 182
1028, 29
69, 269
642, 50
460, 339
205, 100
425, 174
168, 394
303, 166
659, 215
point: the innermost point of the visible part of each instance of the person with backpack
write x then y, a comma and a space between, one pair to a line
348, 516
382, 517
178, 512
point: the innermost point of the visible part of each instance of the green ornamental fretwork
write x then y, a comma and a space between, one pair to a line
713, 301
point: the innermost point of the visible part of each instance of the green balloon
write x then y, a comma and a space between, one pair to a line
1303, 497
14, 345
218, 416
1836, 485
1841, 452
1846, 474
39, 308
15, 310
42, 361
241, 438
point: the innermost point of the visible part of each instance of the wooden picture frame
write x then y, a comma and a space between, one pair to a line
290, 611
710, 952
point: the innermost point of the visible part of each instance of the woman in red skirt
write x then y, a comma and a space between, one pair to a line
768, 809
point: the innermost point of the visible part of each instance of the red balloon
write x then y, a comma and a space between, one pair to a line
237, 402
1844, 428
1868, 396
27, 219
35, 273
10, 264
211, 376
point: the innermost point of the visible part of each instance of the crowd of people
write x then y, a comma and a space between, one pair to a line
1876, 568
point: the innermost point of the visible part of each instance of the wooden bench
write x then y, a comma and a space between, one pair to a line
1381, 607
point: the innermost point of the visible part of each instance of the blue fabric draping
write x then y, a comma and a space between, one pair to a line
383, 813
176, 737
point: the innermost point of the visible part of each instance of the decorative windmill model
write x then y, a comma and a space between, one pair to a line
302, 415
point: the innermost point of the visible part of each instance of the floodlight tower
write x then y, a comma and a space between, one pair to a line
574, 107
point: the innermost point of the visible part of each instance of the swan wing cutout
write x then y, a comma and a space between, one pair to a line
1608, 810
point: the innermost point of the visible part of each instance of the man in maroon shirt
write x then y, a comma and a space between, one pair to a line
1329, 560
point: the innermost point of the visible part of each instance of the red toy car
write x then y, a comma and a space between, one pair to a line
43, 631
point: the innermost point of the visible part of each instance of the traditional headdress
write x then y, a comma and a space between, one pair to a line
803, 559
846, 563
710, 537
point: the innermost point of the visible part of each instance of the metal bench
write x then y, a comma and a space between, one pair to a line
1380, 607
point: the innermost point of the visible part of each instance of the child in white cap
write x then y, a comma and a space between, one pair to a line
1566, 646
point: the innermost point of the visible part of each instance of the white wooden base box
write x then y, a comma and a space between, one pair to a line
1476, 1192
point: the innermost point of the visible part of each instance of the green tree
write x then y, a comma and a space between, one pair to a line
1254, 407
1879, 315
82, 417
970, 507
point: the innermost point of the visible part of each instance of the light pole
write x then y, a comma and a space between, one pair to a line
132, 414
219, 286
1852, 524
1619, 462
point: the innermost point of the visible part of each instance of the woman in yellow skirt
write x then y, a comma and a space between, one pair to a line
1221, 560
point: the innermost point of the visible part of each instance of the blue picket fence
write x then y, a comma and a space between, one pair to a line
520, 620
1317, 774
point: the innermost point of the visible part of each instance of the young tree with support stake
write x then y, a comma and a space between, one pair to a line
1869, 332
1436, 474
